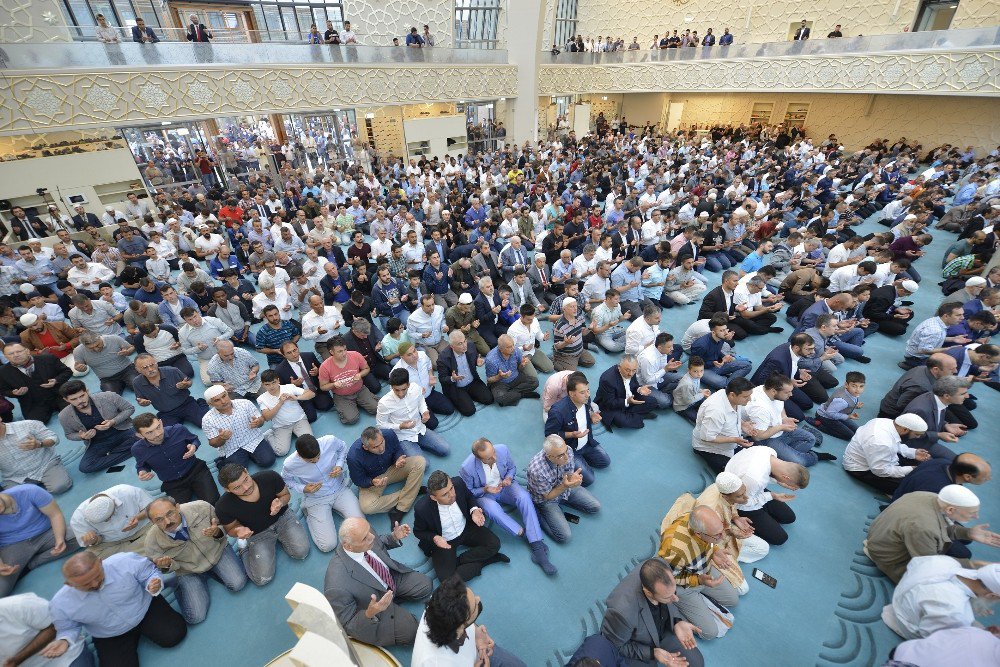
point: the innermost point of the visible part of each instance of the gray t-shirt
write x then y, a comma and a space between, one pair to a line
107, 362
95, 322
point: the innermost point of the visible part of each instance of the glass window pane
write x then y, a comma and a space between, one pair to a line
291, 25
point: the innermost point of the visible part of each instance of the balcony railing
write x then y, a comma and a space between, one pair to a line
95, 55
942, 40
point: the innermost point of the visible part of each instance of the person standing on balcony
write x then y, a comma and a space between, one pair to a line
143, 34
414, 40
709, 39
727, 38
427, 36
314, 37
348, 36
802, 33
331, 36
835, 32
197, 32
105, 33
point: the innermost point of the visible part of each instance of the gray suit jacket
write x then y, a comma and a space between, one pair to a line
628, 622
110, 406
529, 294
349, 588
911, 384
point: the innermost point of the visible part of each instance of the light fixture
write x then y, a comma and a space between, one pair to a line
182, 131
503, 99
605, 98
369, 115
336, 111
166, 122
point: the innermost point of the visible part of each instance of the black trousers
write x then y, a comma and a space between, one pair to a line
767, 521
756, 326
886, 485
120, 380
892, 326
481, 545
465, 398
962, 414
198, 483
717, 462
41, 410
161, 625
322, 402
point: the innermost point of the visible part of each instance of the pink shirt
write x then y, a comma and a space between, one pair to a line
555, 389
329, 371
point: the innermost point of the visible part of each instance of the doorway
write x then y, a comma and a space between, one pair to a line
935, 15
674, 111
228, 24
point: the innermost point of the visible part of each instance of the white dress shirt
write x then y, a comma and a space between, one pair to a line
876, 447
764, 411
717, 418
524, 337
651, 366
129, 502
22, 617
930, 597
312, 322
638, 335
452, 520
753, 466
393, 411
581, 423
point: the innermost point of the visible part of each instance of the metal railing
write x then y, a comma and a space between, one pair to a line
95, 55
942, 40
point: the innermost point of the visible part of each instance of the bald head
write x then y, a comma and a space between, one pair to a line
79, 564
706, 522
968, 468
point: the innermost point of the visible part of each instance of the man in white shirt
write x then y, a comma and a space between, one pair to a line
756, 466
404, 410
599, 283
206, 246
720, 424
321, 324
426, 328
658, 371
527, 335
643, 331
877, 456
25, 623
279, 404
848, 277
792, 440
113, 521
88, 275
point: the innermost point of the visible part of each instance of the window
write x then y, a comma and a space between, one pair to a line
476, 23
565, 21
83, 13
935, 15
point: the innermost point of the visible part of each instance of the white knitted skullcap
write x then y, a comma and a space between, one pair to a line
214, 391
958, 496
912, 422
99, 509
728, 482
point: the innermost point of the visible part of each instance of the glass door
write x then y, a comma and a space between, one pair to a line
935, 15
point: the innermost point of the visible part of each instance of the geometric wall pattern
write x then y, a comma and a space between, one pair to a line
968, 72
42, 102
378, 22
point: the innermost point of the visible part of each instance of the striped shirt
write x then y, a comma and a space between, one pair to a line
237, 373
16, 464
563, 331
269, 337
543, 476
687, 553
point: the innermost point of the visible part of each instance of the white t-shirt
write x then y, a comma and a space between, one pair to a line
753, 466
290, 412
426, 654
22, 617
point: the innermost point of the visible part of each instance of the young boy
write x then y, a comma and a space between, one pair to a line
688, 394
280, 405
157, 268
838, 416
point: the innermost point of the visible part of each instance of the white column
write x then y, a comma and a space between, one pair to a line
524, 42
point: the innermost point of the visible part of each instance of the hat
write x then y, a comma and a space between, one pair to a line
99, 509
910, 421
910, 286
975, 281
27, 288
28, 319
989, 575
703, 214
909, 217
728, 482
465, 298
214, 392
109, 209
958, 496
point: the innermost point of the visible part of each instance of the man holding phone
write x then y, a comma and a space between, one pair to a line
554, 478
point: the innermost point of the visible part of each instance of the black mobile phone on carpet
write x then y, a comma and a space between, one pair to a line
572, 518
765, 577
115, 469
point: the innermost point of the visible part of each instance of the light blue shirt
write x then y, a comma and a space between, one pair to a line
496, 363
462, 368
297, 473
965, 195
929, 335
115, 608
39, 272
622, 276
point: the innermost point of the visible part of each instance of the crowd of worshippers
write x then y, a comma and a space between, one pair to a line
490, 279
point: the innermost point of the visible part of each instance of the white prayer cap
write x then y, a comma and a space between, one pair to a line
28, 319
109, 209
989, 575
27, 288
728, 482
568, 300
214, 391
703, 214
465, 298
975, 281
99, 509
910, 286
913, 422
957, 495
909, 217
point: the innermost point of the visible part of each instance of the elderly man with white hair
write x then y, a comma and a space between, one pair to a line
924, 524
937, 593
877, 456
113, 521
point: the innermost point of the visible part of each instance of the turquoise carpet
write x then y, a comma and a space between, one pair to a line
824, 611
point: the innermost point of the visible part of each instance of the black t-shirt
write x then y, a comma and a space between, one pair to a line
255, 516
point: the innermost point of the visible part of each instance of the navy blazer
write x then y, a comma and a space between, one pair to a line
925, 407
137, 34
446, 363
427, 520
778, 360
474, 477
611, 391
286, 374
485, 315
562, 418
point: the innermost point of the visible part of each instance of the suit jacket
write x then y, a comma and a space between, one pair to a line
427, 521
911, 384
137, 34
36, 223
443, 251
60, 331
715, 302
47, 367
802, 33
446, 363
484, 313
108, 404
689, 249
925, 407
349, 588
880, 305
353, 346
562, 418
529, 295
778, 360
611, 391
192, 33
535, 279
474, 477
481, 266
81, 221
628, 622
285, 372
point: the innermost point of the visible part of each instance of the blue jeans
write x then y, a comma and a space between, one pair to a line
192, 589
795, 446
403, 315
516, 496
718, 378
590, 457
259, 555
263, 456
429, 442
552, 519
849, 343
85, 659
660, 399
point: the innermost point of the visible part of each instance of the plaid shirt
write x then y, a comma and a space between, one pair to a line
543, 476
237, 373
17, 464
238, 423
109, 259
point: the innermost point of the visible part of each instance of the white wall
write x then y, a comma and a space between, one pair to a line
32, 21
377, 22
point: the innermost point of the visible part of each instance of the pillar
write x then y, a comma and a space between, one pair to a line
524, 44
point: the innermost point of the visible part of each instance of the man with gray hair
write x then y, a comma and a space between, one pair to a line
554, 479
622, 400
235, 369
932, 407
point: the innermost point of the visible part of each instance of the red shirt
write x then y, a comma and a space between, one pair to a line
47, 340
329, 371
